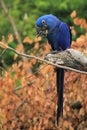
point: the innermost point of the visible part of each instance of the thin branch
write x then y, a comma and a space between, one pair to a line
41, 60
3, 52
20, 105
2, 69
20, 87
11, 21
24, 23
48, 62
80, 121
36, 72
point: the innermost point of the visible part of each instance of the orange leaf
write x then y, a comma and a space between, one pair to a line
37, 39
27, 40
73, 14
36, 46
10, 38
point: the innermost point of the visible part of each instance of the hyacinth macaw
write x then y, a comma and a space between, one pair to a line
59, 37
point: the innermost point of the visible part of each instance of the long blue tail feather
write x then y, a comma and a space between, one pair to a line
60, 87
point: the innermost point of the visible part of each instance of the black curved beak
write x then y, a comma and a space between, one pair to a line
41, 31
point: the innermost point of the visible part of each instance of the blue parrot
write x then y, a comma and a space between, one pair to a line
59, 37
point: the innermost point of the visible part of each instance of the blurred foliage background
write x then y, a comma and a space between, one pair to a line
27, 88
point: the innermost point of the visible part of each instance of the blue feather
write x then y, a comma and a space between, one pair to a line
60, 40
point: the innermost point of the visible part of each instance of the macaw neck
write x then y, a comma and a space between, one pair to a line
53, 37
54, 28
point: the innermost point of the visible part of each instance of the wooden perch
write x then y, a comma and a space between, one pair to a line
69, 59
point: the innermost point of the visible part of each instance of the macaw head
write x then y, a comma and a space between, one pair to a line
46, 24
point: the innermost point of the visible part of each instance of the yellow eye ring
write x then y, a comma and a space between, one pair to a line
43, 21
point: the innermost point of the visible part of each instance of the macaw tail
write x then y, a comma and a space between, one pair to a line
60, 87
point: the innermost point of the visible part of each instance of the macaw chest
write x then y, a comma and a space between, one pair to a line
53, 41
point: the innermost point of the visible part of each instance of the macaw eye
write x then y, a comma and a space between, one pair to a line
43, 21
